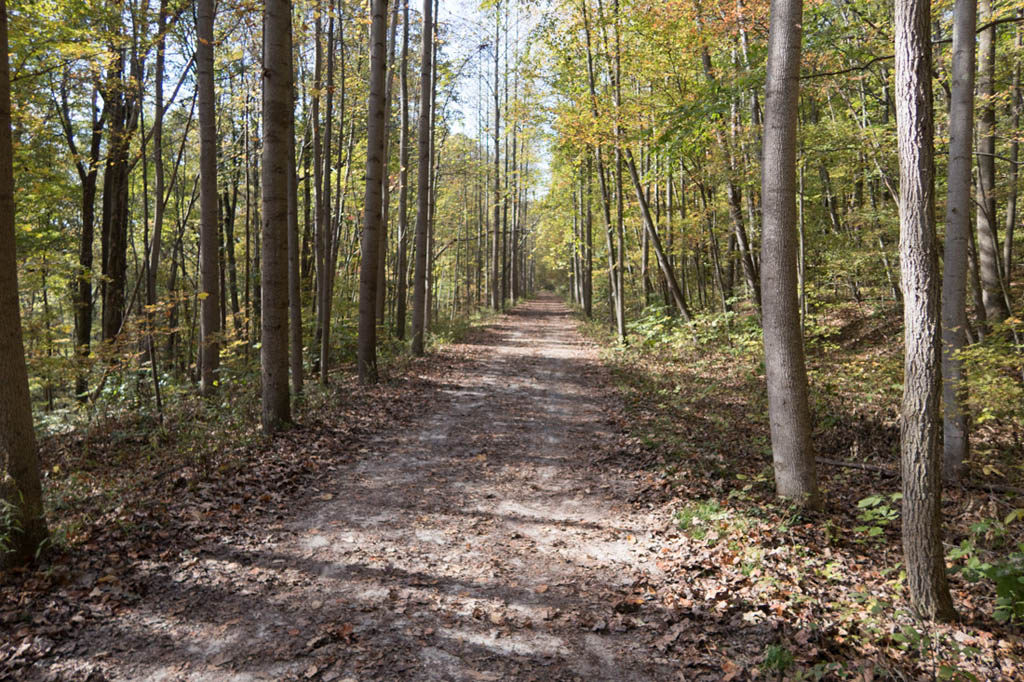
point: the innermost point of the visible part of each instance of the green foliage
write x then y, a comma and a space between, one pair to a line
9, 526
697, 517
995, 375
777, 659
876, 513
975, 562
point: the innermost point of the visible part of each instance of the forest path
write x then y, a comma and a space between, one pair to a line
493, 538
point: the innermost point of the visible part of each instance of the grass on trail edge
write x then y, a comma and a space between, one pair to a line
828, 584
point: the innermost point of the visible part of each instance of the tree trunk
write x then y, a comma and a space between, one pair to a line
659, 252
919, 442
119, 99
958, 226
1011, 201
277, 103
22, 491
88, 172
403, 178
419, 296
496, 300
795, 474
988, 240
158, 158
209, 272
294, 264
373, 203
382, 249
614, 292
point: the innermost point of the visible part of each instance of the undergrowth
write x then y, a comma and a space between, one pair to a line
831, 582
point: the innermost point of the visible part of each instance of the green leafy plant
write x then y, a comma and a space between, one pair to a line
876, 513
777, 659
696, 518
972, 561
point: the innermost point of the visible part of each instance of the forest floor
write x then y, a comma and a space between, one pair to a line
492, 514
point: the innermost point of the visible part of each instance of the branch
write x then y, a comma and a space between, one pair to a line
875, 60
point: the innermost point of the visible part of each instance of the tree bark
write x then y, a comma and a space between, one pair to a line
20, 487
496, 297
919, 437
403, 178
209, 271
277, 102
373, 202
382, 249
419, 295
158, 158
988, 240
655, 240
789, 413
294, 264
958, 226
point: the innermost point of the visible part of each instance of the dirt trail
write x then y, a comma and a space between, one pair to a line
493, 538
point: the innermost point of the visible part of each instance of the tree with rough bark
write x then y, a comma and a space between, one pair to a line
373, 202
209, 226
919, 413
958, 236
277, 104
988, 239
419, 294
401, 287
20, 487
788, 407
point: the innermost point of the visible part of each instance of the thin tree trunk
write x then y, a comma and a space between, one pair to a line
294, 265
958, 226
419, 296
1011, 201
919, 438
496, 300
208, 228
988, 240
788, 407
401, 294
659, 252
158, 158
382, 249
373, 203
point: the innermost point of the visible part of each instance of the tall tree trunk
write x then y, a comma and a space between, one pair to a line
920, 463
373, 203
158, 158
326, 289
588, 269
659, 252
788, 408
277, 102
1011, 202
20, 487
401, 294
988, 240
958, 227
209, 271
419, 295
614, 280
382, 249
119, 98
496, 300
88, 173
294, 264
